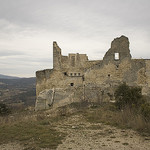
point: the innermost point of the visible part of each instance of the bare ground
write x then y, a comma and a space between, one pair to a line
86, 136
82, 135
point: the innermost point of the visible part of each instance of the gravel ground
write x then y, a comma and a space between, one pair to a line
86, 136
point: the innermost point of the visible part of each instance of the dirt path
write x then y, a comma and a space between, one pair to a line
85, 136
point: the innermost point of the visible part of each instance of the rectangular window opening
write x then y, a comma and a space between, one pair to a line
116, 56
71, 84
83, 79
65, 73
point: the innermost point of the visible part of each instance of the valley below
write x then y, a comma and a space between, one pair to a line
18, 92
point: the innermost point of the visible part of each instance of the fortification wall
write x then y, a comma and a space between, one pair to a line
78, 78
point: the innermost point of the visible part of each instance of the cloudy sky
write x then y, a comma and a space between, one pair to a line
29, 27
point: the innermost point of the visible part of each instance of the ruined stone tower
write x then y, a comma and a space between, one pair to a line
75, 78
119, 50
56, 57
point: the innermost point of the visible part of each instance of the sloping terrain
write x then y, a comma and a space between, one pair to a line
83, 135
63, 129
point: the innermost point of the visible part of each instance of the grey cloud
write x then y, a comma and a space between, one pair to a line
78, 24
76, 16
24, 61
10, 53
23, 66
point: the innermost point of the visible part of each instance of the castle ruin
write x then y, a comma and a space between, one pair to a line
75, 78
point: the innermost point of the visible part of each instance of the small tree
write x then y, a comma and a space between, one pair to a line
4, 110
128, 96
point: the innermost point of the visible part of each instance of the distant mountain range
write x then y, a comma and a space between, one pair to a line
14, 82
8, 77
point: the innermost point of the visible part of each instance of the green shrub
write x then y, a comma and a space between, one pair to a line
4, 110
145, 111
128, 96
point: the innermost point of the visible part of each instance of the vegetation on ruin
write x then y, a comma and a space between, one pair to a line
132, 98
126, 96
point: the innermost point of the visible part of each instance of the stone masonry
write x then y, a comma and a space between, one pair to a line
75, 78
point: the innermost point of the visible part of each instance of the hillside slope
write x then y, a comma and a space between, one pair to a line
18, 91
68, 128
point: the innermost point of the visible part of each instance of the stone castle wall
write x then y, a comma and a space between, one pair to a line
92, 80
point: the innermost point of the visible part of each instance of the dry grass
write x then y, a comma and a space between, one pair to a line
108, 114
31, 129
123, 119
32, 133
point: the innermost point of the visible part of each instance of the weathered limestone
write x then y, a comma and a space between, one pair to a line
45, 99
75, 78
119, 46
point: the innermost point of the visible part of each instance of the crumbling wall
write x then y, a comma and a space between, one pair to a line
75, 78
41, 78
75, 61
120, 47
56, 57
49, 79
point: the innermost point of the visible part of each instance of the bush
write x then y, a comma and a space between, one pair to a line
4, 110
145, 111
128, 96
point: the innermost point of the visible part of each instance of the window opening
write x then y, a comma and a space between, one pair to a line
71, 74
117, 66
116, 56
78, 74
71, 84
75, 74
65, 73
83, 79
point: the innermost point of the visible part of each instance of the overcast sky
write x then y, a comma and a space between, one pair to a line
29, 27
